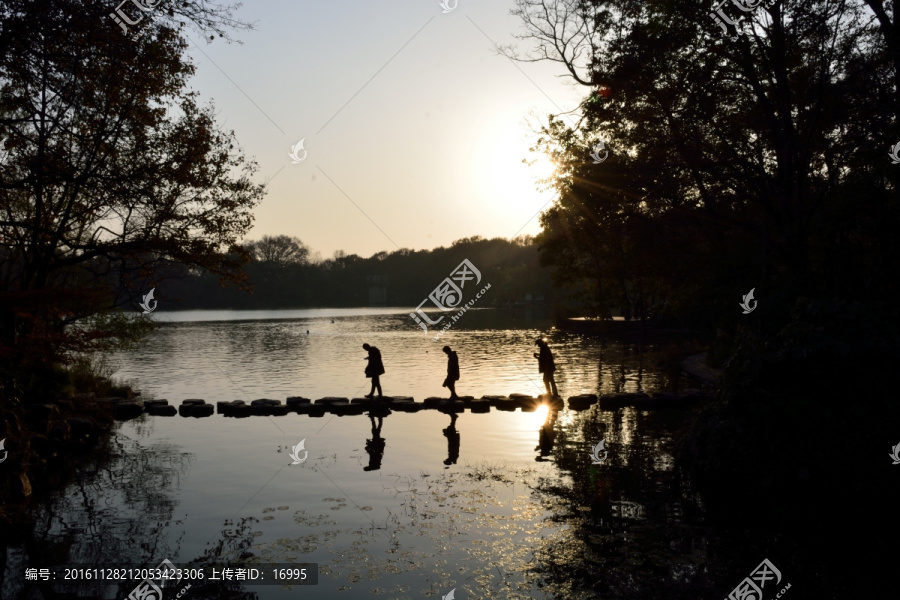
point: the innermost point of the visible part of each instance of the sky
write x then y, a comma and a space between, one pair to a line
414, 128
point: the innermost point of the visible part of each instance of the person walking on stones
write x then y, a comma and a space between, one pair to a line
374, 370
452, 372
546, 366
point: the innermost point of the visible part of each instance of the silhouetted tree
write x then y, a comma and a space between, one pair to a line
113, 169
281, 250
734, 161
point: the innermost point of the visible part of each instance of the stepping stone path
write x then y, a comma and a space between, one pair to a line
195, 408
160, 408
125, 409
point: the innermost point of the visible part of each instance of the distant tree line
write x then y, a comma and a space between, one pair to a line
283, 272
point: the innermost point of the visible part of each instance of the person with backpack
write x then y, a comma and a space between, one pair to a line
374, 370
452, 372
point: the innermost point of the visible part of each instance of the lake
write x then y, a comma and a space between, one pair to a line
402, 507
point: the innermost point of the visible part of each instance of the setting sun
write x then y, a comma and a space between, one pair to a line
509, 183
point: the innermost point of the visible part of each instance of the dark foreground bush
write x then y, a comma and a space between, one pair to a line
799, 439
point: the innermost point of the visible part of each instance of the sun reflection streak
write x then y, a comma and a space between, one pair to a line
527, 426
536, 419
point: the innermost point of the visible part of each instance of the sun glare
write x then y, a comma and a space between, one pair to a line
511, 185
537, 419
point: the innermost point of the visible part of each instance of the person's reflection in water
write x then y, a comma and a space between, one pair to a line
375, 446
547, 436
452, 436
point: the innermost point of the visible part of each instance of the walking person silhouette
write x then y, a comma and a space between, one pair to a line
375, 369
452, 372
546, 366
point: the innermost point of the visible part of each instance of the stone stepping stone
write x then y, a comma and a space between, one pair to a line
556, 403
407, 407
493, 400
582, 401
350, 409
524, 401
265, 407
451, 406
225, 406
479, 405
237, 409
433, 402
305, 409
507, 404
467, 400
156, 402
124, 410
161, 410
368, 403
344, 408
621, 400
196, 410
295, 401
331, 400
398, 400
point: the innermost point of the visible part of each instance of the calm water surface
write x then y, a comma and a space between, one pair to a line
394, 523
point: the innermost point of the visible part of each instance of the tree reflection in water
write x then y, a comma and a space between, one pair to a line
121, 497
635, 530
